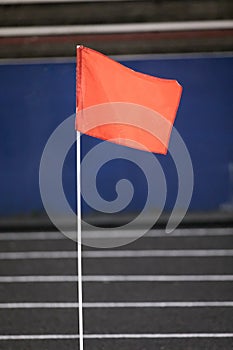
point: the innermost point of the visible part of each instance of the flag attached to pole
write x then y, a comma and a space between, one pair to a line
102, 81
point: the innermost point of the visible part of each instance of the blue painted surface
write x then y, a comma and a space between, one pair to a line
36, 98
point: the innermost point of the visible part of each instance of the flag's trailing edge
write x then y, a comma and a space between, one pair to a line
130, 108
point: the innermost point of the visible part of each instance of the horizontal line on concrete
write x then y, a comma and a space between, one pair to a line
106, 234
116, 336
100, 305
31, 236
103, 254
116, 278
115, 28
157, 253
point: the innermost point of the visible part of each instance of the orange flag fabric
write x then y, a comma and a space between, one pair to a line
120, 105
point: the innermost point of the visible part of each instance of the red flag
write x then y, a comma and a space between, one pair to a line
140, 109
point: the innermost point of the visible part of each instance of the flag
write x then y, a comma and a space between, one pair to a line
140, 109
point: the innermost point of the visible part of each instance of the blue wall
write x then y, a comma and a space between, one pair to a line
35, 98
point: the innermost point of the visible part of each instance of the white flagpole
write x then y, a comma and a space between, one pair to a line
79, 240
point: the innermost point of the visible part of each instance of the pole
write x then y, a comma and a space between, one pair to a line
79, 240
